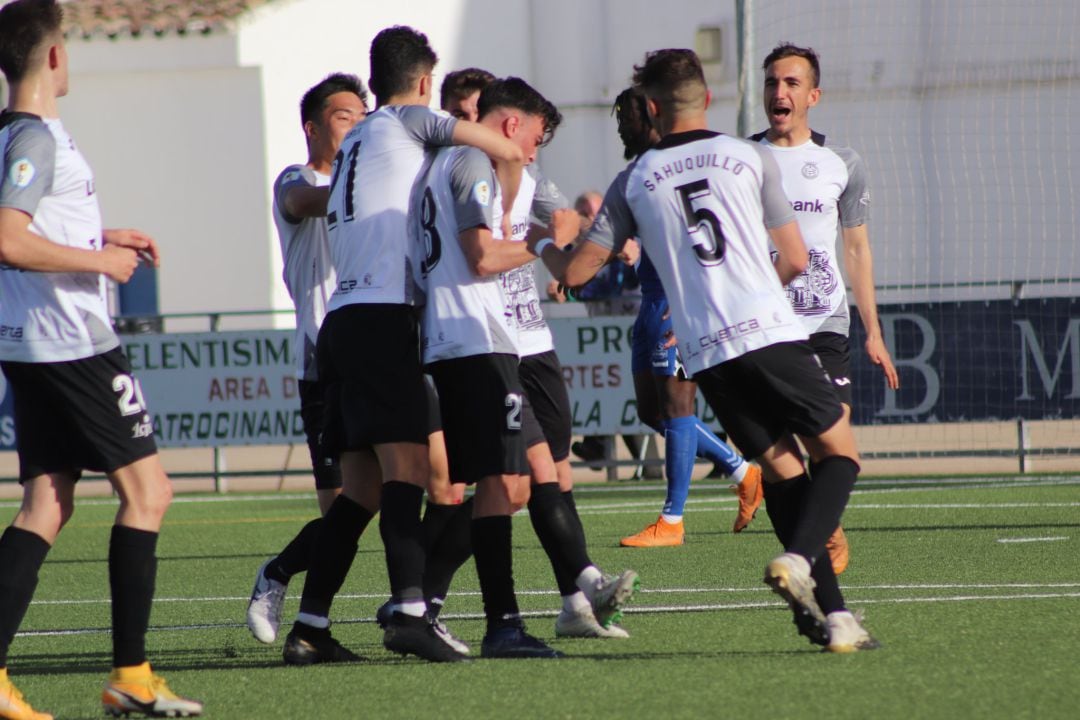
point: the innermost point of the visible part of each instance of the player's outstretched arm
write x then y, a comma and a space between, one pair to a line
791, 257
859, 265
21, 248
487, 255
306, 201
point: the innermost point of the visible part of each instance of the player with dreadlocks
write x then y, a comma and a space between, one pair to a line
665, 395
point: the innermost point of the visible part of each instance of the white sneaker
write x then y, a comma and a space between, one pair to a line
582, 624
847, 635
608, 598
264, 608
789, 577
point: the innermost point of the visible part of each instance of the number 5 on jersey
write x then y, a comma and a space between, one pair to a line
702, 225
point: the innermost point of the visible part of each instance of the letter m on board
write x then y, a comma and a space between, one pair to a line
1033, 357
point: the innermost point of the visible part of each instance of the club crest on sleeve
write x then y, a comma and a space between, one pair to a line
21, 173
481, 192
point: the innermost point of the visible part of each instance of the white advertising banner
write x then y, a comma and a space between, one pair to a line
239, 388
221, 388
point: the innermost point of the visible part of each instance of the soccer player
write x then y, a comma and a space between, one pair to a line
328, 111
368, 348
77, 405
557, 524
829, 189
705, 208
665, 396
470, 349
460, 92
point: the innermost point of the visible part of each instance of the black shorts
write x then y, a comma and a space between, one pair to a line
434, 419
767, 393
834, 350
482, 408
78, 415
324, 467
541, 376
369, 359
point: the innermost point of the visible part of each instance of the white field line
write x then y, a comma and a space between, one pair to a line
1055, 538
704, 607
643, 591
865, 487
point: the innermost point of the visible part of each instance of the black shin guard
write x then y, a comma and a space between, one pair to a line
403, 539
491, 539
447, 552
782, 503
823, 503
296, 557
560, 535
21, 555
132, 571
332, 554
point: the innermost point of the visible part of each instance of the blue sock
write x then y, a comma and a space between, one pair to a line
716, 450
679, 444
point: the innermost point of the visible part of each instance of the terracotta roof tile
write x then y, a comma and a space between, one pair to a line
120, 18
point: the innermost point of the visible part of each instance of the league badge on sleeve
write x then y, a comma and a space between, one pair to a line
21, 173
481, 192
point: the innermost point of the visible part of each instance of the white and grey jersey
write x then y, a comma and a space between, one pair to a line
465, 315
828, 189
51, 317
308, 274
700, 203
537, 199
373, 178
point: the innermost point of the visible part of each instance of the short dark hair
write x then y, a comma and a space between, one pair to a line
632, 117
463, 83
672, 77
399, 55
513, 92
316, 98
786, 49
24, 26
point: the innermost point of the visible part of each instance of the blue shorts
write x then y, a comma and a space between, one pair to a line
648, 354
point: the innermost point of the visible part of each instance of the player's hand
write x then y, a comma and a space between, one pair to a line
564, 227
556, 291
118, 262
879, 355
143, 244
670, 340
631, 252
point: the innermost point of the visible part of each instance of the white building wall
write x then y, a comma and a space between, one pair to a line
960, 110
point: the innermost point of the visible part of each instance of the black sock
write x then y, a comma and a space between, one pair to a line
296, 556
782, 503
491, 539
132, 569
831, 481
560, 534
827, 593
436, 517
332, 554
21, 555
447, 552
403, 539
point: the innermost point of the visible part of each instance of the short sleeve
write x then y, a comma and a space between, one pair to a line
854, 202
615, 223
472, 183
291, 177
547, 198
29, 165
426, 126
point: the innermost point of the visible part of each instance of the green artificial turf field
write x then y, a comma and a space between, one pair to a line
972, 586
